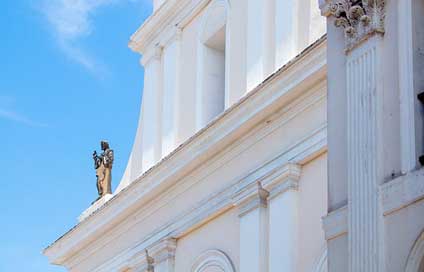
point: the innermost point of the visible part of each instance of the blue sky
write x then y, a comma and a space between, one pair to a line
67, 81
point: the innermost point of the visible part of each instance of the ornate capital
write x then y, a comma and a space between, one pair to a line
359, 18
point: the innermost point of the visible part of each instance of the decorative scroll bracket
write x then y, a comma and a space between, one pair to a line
360, 19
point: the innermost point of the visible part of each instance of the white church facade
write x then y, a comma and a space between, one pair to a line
274, 136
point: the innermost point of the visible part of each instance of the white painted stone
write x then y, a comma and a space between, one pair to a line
254, 228
94, 207
152, 107
171, 94
356, 92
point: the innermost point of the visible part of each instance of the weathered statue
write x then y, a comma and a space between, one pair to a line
103, 165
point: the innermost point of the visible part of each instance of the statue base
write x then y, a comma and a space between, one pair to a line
94, 207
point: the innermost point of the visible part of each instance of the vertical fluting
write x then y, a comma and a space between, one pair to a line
362, 156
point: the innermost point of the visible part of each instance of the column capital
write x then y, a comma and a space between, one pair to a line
360, 19
173, 34
251, 197
163, 250
153, 53
283, 179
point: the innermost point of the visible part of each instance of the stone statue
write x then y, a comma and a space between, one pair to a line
103, 165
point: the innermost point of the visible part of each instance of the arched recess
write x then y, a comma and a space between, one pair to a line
213, 261
212, 62
415, 261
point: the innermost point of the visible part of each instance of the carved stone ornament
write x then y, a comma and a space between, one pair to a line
359, 18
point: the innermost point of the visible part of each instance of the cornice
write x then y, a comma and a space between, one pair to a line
250, 198
154, 53
274, 93
283, 179
402, 192
303, 151
163, 250
335, 223
166, 21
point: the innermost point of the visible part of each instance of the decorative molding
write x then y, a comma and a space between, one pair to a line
402, 192
154, 53
223, 200
290, 82
94, 207
335, 223
141, 262
160, 26
213, 258
164, 250
360, 19
250, 198
282, 180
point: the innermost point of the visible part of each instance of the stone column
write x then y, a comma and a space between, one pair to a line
163, 255
253, 213
171, 93
283, 219
367, 106
151, 110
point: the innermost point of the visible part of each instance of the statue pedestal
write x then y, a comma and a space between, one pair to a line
94, 207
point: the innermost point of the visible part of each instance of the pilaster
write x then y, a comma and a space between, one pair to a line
406, 84
283, 218
163, 255
253, 214
286, 30
171, 92
259, 37
363, 24
151, 126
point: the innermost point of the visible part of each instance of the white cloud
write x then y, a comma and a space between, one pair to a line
72, 20
7, 103
17, 117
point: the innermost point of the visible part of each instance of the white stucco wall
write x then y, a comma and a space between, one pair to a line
207, 237
312, 207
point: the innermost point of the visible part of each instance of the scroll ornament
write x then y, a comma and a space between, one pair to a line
359, 18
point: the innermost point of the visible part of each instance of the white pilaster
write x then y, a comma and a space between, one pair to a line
151, 109
163, 254
364, 99
171, 94
252, 203
258, 58
286, 30
283, 219
363, 25
406, 86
